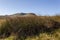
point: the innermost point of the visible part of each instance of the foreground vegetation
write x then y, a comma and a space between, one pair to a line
30, 28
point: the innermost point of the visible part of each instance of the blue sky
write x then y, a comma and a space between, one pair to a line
40, 7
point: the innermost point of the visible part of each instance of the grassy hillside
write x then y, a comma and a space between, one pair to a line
30, 28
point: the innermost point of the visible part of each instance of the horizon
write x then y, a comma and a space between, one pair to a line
39, 7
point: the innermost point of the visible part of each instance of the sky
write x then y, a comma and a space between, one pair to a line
39, 7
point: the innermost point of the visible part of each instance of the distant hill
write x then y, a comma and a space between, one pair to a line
18, 14
23, 14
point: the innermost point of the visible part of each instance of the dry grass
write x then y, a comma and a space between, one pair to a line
30, 28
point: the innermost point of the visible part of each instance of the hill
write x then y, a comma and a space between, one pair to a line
24, 14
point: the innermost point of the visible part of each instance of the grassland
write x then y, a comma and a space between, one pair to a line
30, 28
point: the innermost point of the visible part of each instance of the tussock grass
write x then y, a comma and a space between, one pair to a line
30, 28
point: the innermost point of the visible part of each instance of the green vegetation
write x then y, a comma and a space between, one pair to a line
30, 28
